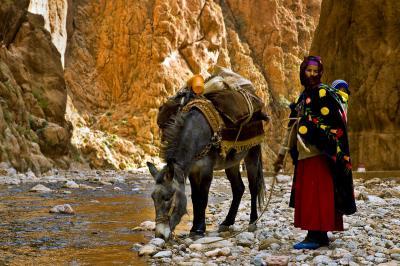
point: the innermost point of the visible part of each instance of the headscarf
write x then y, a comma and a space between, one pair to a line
310, 60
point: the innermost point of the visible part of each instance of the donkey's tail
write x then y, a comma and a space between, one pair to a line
260, 183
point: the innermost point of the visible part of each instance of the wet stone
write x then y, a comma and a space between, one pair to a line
137, 247
148, 250
40, 188
63, 209
158, 242
146, 226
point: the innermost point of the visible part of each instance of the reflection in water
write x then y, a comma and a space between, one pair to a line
99, 234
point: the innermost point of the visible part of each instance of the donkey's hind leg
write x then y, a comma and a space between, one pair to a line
237, 186
253, 162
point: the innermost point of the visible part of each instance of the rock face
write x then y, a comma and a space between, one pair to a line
33, 131
124, 59
362, 47
54, 13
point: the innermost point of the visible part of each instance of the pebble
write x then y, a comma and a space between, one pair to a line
148, 250
322, 259
283, 178
301, 257
40, 188
206, 242
146, 226
64, 209
277, 260
245, 239
136, 247
163, 254
218, 252
158, 242
380, 260
376, 200
395, 256
84, 186
70, 184
266, 243
390, 263
197, 247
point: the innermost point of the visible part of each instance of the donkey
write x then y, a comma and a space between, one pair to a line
187, 137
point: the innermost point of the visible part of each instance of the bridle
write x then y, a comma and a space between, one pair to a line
166, 218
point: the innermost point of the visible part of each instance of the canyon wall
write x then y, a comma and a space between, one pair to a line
34, 134
124, 59
359, 42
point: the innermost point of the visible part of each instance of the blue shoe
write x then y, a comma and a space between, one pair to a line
306, 245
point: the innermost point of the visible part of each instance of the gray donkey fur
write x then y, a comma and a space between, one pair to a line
185, 138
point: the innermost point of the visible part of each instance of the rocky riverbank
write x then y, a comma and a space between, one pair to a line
371, 236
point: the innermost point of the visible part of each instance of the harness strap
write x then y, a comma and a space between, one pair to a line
211, 114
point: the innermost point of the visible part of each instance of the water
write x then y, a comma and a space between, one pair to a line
100, 233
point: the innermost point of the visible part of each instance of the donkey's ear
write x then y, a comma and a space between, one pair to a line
169, 174
153, 170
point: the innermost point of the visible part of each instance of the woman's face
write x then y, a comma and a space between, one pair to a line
311, 71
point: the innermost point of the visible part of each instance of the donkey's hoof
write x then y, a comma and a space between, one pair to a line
196, 235
252, 227
223, 228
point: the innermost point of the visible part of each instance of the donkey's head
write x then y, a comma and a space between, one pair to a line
169, 198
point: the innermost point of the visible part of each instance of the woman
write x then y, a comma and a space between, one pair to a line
322, 188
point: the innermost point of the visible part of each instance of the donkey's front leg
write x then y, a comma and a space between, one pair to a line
200, 184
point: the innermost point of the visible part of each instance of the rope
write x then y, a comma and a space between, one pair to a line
261, 214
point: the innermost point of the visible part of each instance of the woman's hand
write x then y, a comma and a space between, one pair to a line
278, 164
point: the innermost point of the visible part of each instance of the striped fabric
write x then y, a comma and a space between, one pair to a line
340, 83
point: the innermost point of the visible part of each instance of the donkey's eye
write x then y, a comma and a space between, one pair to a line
166, 199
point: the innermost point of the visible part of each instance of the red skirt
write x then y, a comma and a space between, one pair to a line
314, 199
